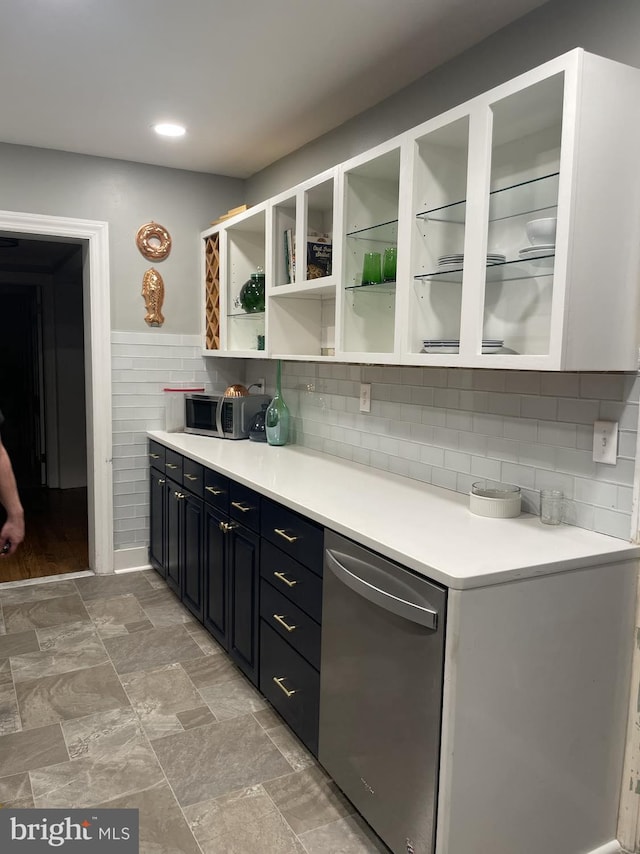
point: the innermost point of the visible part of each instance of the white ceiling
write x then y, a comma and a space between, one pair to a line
252, 80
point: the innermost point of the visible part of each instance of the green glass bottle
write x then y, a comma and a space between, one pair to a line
277, 419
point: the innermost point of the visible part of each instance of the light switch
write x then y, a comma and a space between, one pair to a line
605, 442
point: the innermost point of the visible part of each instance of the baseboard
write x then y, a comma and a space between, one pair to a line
612, 847
131, 559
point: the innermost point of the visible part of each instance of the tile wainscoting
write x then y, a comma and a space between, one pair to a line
143, 364
445, 426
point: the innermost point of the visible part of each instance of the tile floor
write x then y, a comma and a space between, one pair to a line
111, 695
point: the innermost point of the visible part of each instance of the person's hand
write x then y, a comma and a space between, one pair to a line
11, 535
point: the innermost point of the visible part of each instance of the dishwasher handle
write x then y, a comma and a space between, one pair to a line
424, 615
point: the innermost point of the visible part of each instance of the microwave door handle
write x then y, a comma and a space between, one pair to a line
421, 614
219, 415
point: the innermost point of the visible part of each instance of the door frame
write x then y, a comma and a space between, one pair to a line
94, 236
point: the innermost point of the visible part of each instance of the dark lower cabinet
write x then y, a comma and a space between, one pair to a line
244, 578
251, 571
231, 579
172, 533
216, 588
291, 685
157, 521
191, 587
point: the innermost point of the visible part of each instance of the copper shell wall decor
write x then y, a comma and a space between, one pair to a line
153, 241
153, 293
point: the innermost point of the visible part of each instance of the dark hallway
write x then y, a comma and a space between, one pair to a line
42, 400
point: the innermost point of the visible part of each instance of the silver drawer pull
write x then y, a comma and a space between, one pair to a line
279, 680
284, 579
225, 527
161, 480
191, 477
240, 506
281, 532
213, 490
280, 619
171, 466
155, 456
179, 495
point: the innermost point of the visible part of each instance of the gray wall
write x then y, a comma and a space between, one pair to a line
126, 195
610, 29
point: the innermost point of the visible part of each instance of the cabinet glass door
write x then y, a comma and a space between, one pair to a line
523, 207
245, 284
371, 235
439, 226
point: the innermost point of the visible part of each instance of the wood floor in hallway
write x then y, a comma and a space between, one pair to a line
56, 539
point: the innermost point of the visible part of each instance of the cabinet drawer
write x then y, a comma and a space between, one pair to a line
244, 505
292, 624
295, 535
293, 580
193, 476
216, 490
173, 465
156, 455
291, 685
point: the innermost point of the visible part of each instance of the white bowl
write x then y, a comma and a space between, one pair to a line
542, 230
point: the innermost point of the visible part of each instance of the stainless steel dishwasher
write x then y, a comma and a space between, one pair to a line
381, 691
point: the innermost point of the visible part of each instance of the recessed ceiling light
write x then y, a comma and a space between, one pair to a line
165, 129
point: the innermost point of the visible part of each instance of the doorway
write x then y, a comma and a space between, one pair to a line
43, 402
89, 239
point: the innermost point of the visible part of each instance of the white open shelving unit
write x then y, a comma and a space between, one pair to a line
560, 141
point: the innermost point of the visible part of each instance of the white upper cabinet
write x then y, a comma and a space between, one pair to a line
504, 233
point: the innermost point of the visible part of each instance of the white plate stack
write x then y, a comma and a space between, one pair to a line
448, 263
452, 345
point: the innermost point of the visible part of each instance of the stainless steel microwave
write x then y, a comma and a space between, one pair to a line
224, 417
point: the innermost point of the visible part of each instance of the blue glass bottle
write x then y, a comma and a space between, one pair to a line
277, 419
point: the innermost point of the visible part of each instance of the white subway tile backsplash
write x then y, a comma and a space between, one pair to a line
603, 386
446, 426
544, 408
560, 385
578, 411
557, 433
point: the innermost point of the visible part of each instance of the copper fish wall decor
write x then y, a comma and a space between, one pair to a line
153, 293
153, 241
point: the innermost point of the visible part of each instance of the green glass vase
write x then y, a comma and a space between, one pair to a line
277, 418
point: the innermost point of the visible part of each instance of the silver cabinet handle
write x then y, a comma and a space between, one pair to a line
191, 477
239, 505
179, 495
281, 532
161, 480
170, 466
279, 680
282, 577
155, 456
213, 490
280, 619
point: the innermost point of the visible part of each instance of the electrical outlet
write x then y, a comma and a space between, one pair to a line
605, 442
365, 397
259, 385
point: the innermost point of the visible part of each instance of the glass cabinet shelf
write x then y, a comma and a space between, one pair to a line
531, 268
380, 288
524, 198
240, 315
383, 232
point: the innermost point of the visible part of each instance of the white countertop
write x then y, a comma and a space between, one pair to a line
428, 529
